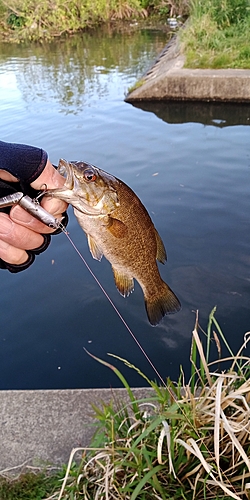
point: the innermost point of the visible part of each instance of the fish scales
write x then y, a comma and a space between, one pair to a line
131, 246
119, 227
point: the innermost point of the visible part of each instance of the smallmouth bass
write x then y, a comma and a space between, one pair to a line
119, 227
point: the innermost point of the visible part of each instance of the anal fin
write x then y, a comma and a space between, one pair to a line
124, 284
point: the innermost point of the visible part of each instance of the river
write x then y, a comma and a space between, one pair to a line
189, 164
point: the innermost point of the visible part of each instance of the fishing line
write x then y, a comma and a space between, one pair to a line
172, 395
114, 306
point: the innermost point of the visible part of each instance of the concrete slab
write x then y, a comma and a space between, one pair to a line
167, 79
44, 426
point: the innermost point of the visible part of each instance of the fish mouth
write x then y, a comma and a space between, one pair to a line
77, 201
73, 193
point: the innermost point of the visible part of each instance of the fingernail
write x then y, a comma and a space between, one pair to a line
6, 226
19, 215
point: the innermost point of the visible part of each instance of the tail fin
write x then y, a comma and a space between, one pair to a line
162, 303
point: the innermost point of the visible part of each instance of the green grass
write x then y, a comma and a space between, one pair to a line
137, 85
29, 486
217, 34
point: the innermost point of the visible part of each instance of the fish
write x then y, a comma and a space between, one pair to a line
118, 227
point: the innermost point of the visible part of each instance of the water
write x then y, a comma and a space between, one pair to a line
189, 164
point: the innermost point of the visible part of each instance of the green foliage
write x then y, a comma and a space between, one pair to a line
167, 8
223, 12
28, 486
137, 85
46, 19
145, 4
217, 35
49, 18
15, 21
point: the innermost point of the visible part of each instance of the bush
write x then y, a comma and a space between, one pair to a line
33, 20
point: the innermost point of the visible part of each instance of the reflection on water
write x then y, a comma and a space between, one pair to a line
217, 114
73, 71
190, 165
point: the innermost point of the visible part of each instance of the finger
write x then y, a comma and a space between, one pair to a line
17, 235
50, 178
6, 176
55, 206
23, 218
11, 254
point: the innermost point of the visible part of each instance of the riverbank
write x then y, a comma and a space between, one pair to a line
168, 79
216, 36
31, 21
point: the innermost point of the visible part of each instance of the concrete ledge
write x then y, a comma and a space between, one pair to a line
167, 79
44, 426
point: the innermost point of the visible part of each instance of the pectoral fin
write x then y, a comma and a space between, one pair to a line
161, 254
95, 251
124, 284
116, 227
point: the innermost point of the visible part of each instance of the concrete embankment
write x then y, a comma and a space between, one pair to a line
168, 79
42, 427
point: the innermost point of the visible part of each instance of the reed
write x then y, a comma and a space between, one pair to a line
187, 440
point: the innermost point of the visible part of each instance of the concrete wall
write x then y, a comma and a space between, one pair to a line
167, 79
44, 426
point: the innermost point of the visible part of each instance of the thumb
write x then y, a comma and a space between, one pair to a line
50, 179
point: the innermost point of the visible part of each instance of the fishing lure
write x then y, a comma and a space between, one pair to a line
33, 207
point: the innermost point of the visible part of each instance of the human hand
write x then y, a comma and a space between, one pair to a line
21, 232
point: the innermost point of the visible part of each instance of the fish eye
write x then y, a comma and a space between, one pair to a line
89, 175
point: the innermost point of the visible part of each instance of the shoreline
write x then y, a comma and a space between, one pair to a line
168, 80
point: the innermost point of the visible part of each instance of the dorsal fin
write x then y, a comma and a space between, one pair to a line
161, 253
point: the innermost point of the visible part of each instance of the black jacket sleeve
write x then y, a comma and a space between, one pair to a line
26, 163
23, 161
